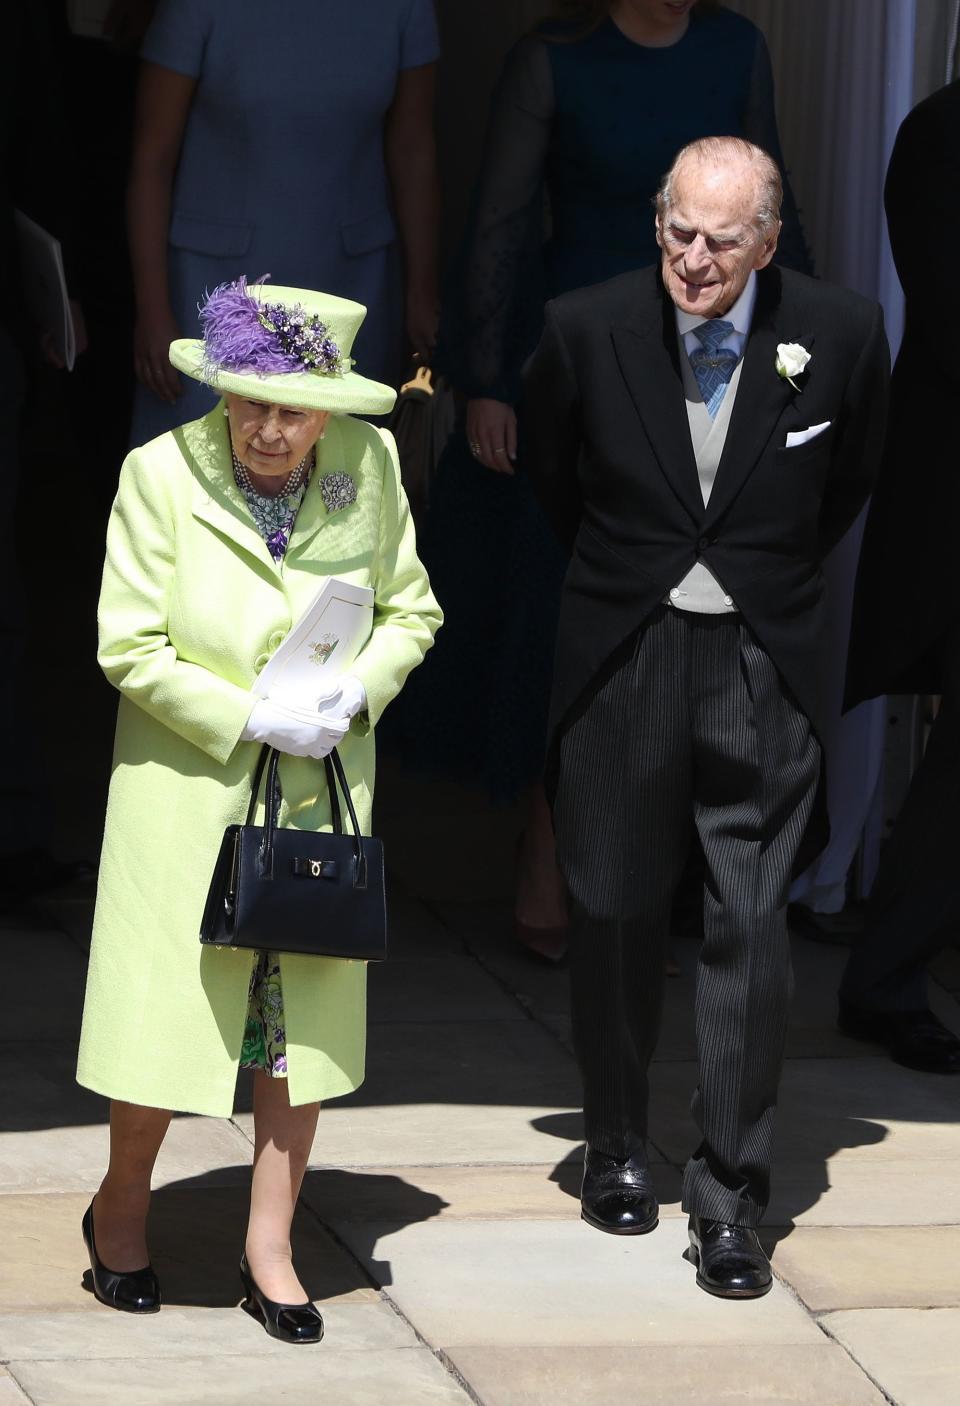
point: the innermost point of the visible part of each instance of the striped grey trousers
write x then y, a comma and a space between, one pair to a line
691, 727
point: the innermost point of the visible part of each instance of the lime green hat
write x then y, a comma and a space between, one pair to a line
288, 346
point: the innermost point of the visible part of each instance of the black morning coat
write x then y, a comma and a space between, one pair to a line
606, 440
908, 587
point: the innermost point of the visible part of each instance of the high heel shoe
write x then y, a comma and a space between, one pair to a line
290, 1322
132, 1291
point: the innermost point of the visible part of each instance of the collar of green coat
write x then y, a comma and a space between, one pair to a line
218, 501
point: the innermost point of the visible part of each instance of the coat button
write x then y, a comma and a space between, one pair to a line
703, 543
275, 640
260, 661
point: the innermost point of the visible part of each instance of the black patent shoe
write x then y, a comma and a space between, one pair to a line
729, 1259
915, 1039
617, 1197
290, 1322
136, 1291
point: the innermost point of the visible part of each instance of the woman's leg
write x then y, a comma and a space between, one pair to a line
121, 1205
283, 1138
541, 895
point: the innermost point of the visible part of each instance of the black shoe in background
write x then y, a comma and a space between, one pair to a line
916, 1039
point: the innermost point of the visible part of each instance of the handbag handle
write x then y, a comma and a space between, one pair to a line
336, 780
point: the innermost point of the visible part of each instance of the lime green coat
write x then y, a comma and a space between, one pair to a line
191, 608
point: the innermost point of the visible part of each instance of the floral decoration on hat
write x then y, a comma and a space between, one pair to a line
242, 334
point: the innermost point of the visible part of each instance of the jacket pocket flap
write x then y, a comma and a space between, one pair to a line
369, 233
223, 238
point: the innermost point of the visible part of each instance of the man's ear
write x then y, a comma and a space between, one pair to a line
769, 248
659, 227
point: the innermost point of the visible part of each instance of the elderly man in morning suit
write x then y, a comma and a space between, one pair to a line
701, 433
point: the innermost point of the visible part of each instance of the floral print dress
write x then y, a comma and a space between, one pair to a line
264, 1036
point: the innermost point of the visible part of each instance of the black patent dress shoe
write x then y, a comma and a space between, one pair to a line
916, 1039
729, 1259
134, 1291
617, 1197
290, 1322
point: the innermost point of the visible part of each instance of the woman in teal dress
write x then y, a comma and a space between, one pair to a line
588, 114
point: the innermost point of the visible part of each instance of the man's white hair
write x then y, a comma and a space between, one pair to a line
723, 151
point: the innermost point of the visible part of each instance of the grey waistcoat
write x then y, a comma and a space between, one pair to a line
700, 590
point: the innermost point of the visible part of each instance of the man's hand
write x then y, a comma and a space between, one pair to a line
492, 434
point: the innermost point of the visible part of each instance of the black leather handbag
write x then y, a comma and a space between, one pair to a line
304, 891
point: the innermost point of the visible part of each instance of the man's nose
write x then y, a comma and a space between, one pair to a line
697, 254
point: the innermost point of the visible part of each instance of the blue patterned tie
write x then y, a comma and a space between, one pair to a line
711, 366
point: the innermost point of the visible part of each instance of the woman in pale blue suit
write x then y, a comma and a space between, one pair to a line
293, 138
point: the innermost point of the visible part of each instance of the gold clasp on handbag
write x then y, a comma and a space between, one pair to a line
306, 868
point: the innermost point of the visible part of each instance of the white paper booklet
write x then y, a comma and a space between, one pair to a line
320, 647
44, 285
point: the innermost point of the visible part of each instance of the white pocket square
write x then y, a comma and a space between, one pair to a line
796, 437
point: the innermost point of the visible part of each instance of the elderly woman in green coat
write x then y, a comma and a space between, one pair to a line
221, 533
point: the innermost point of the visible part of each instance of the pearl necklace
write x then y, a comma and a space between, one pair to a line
294, 481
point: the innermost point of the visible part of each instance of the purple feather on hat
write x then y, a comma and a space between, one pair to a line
266, 339
234, 335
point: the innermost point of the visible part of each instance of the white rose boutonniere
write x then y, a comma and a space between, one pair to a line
792, 361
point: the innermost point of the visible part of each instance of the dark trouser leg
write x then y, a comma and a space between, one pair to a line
622, 817
916, 898
755, 775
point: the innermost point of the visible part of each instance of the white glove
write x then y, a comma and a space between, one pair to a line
348, 699
298, 734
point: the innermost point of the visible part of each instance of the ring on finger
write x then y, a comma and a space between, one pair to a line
501, 450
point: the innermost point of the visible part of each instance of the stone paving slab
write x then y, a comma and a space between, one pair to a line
862, 1108
913, 1353
177, 1332
10, 1393
487, 1192
544, 1283
876, 1267
815, 1374
455, 989
865, 1192
196, 1238
415, 933
451, 1092
73, 1157
485, 928
400, 1376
